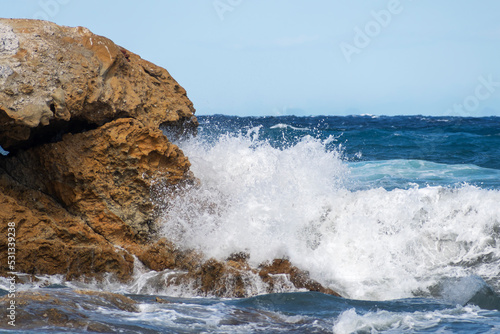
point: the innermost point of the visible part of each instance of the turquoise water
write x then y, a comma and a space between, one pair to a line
398, 214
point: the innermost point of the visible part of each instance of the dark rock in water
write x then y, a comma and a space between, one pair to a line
486, 298
161, 300
61, 309
468, 290
81, 118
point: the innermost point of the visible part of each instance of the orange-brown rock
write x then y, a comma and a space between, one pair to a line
104, 175
49, 240
299, 278
54, 77
81, 117
233, 277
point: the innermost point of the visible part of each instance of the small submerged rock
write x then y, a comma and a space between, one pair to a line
65, 309
234, 277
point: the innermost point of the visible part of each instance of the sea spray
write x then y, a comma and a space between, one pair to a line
297, 202
247, 186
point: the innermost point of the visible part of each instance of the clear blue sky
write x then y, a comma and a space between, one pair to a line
337, 57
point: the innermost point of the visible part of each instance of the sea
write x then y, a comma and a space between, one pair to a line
398, 214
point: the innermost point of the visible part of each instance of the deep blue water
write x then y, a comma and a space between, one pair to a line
398, 214
447, 140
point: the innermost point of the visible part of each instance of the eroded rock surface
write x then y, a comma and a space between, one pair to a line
55, 77
81, 118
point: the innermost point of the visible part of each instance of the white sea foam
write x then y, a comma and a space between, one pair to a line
285, 126
397, 322
293, 202
368, 115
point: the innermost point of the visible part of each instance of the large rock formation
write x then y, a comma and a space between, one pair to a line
81, 118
